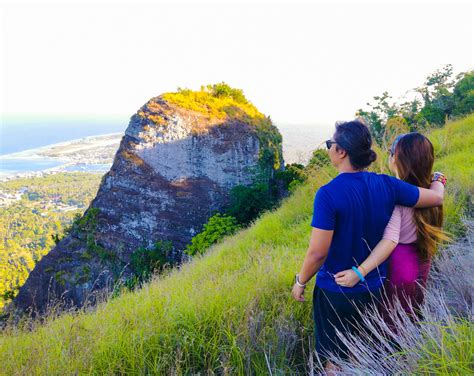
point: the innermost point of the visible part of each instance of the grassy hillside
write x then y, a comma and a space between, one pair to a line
229, 311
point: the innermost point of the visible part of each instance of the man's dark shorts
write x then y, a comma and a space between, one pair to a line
333, 310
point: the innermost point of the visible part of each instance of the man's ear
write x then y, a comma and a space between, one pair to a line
341, 153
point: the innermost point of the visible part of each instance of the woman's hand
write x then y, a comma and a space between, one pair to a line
347, 278
298, 292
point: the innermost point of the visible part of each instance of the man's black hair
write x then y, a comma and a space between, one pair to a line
354, 137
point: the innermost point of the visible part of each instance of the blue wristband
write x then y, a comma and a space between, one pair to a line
359, 274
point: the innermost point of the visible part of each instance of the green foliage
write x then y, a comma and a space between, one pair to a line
380, 112
441, 97
218, 226
30, 228
214, 101
10, 294
145, 262
246, 203
220, 102
431, 114
320, 158
85, 224
454, 355
59, 277
222, 90
454, 156
292, 176
463, 95
437, 84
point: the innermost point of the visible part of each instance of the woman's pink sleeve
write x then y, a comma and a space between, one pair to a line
392, 231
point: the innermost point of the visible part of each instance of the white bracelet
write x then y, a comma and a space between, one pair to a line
297, 280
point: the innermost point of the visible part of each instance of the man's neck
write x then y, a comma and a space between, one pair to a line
345, 168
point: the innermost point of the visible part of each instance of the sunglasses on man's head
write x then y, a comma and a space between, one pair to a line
329, 143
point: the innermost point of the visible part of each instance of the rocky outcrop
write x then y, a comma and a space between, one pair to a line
173, 169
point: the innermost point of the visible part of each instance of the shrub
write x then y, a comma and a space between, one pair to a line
293, 174
218, 226
248, 202
320, 158
145, 262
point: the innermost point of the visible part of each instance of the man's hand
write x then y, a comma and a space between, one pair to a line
347, 278
298, 292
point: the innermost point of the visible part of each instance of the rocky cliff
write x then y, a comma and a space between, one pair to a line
176, 163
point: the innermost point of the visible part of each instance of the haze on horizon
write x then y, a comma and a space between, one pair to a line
304, 63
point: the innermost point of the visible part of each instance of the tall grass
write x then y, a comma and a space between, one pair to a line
228, 312
441, 341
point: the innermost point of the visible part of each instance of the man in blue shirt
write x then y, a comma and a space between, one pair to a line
349, 218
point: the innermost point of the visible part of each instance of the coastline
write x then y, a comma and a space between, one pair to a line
96, 152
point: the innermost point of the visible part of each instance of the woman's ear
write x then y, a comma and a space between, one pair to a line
391, 164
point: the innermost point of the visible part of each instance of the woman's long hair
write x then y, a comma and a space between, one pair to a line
414, 158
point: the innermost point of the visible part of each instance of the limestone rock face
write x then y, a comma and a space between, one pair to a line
173, 168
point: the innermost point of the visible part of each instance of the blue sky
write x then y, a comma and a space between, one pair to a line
310, 62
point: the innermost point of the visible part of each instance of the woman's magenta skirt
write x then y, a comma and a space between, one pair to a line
407, 275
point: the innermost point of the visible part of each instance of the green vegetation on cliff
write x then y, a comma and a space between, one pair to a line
229, 311
222, 102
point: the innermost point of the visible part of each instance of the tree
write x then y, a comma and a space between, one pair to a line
463, 94
248, 202
380, 112
437, 97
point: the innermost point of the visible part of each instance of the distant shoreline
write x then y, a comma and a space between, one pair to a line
32, 153
95, 151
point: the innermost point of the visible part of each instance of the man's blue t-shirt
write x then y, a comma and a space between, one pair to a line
357, 206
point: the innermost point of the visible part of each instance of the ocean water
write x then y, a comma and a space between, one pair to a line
14, 165
16, 135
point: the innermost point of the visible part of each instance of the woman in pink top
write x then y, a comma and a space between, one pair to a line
412, 235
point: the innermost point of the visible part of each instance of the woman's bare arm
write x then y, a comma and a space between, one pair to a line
381, 252
431, 197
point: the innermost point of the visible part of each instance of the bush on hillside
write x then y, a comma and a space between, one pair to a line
218, 226
145, 262
221, 90
292, 175
320, 158
246, 203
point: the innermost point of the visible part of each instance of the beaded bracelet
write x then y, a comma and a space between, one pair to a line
438, 176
